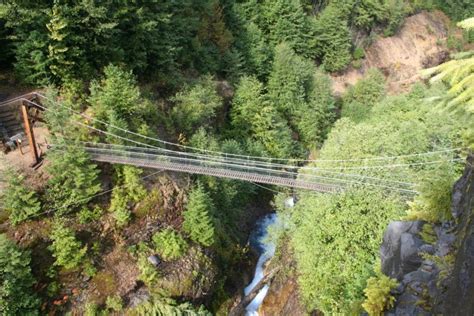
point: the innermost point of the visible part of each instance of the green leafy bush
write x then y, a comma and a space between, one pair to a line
377, 292
67, 250
344, 231
433, 204
368, 91
169, 244
164, 306
114, 303
87, 215
16, 281
19, 201
198, 220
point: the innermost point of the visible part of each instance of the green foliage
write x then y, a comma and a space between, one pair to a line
67, 250
329, 226
333, 41
91, 309
368, 91
433, 204
285, 21
87, 215
169, 244
148, 272
458, 74
162, 307
18, 200
377, 292
196, 106
119, 206
316, 118
290, 80
359, 53
114, 303
16, 281
246, 103
428, 234
198, 217
338, 228
73, 181
116, 94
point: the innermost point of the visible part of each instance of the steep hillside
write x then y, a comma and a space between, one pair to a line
420, 43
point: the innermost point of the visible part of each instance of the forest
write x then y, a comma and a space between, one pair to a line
229, 77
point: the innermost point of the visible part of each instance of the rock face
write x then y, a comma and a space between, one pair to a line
420, 43
458, 299
442, 280
399, 251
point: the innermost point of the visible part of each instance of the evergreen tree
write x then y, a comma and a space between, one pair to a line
290, 81
198, 218
258, 51
246, 103
315, 120
16, 281
285, 21
196, 106
116, 95
67, 250
270, 129
19, 201
333, 38
73, 178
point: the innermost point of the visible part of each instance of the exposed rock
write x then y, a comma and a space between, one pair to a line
431, 285
154, 260
458, 299
400, 247
420, 43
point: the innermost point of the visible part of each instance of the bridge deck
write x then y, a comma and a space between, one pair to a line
217, 172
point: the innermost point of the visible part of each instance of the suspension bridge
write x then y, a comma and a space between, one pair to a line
264, 170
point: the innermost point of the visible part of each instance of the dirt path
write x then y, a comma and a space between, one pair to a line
420, 43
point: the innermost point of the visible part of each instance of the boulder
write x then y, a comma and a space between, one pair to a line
400, 248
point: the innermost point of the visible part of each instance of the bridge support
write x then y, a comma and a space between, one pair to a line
30, 134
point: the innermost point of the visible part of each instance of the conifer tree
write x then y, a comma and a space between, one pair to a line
73, 178
285, 21
19, 201
198, 218
16, 281
315, 120
290, 81
67, 250
196, 106
247, 102
333, 38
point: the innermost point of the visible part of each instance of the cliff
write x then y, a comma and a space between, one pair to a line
434, 264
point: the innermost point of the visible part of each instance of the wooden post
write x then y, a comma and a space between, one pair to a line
30, 134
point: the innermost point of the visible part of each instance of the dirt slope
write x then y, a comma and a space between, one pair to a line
420, 43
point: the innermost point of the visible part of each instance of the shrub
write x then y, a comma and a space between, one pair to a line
119, 206
433, 204
67, 250
345, 232
169, 244
16, 281
114, 303
377, 292
368, 91
87, 215
359, 53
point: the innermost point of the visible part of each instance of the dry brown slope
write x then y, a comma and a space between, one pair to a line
420, 43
